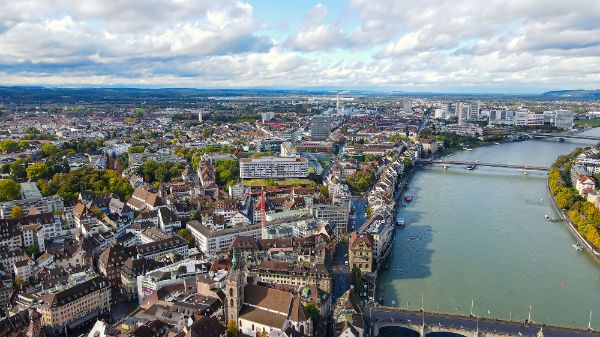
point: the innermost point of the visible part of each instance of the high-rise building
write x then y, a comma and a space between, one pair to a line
320, 127
407, 106
564, 119
473, 112
462, 112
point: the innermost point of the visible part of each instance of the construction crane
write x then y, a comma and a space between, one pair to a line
262, 200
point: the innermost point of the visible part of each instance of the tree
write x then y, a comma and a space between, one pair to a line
9, 190
232, 328
68, 185
408, 164
8, 146
312, 311
195, 216
186, 234
360, 181
136, 149
324, 190
357, 280
17, 212
227, 172
18, 283
36, 171
33, 250
49, 149
17, 170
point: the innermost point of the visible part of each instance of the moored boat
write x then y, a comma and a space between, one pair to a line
408, 198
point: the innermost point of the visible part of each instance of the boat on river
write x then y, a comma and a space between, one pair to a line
549, 218
408, 198
578, 247
470, 167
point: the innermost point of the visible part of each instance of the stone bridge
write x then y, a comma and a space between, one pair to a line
425, 323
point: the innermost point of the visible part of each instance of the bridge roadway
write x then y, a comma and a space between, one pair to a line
464, 163
558, 135
381, 317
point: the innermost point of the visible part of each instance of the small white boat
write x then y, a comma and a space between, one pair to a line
549, 218
497, 143
469, 149
445, 166
525, 172
578, 247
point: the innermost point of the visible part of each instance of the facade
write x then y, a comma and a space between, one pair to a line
273, 168
293, 274
160, 249
49, 204
210, 242
75, 305
564, 119
336, 215
320, 127
380, 228
360, 252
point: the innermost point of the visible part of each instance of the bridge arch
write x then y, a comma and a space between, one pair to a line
444, 334
398, 331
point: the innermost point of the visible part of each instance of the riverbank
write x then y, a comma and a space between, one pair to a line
595, 254
481, 236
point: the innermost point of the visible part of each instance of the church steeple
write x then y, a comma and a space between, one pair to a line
236, 280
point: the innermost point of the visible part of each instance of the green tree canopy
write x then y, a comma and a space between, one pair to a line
227, 172
8, 145
357, 280
68, 185
312, 311
49, 149
232, 328
187, 235
9, 190
17, 212
36, 171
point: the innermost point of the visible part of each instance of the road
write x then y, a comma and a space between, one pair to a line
378, 314
341, 273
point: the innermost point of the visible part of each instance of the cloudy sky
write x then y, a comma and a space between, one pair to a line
411, 45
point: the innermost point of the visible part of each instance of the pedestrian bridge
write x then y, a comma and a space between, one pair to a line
428, 324
474, 163
563, 136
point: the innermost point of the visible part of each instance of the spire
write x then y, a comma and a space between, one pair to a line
234, 260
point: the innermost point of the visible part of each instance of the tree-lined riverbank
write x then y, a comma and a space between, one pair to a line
481, 235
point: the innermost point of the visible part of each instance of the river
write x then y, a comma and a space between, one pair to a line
481, 236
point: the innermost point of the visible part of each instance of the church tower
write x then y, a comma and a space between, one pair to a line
234, 290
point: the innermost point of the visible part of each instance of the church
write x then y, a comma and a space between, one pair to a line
260, 310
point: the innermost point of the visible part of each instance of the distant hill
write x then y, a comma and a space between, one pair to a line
573, 94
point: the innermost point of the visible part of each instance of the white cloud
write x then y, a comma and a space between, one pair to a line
410, 45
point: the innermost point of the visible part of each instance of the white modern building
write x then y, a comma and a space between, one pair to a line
210, 242
273, 167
